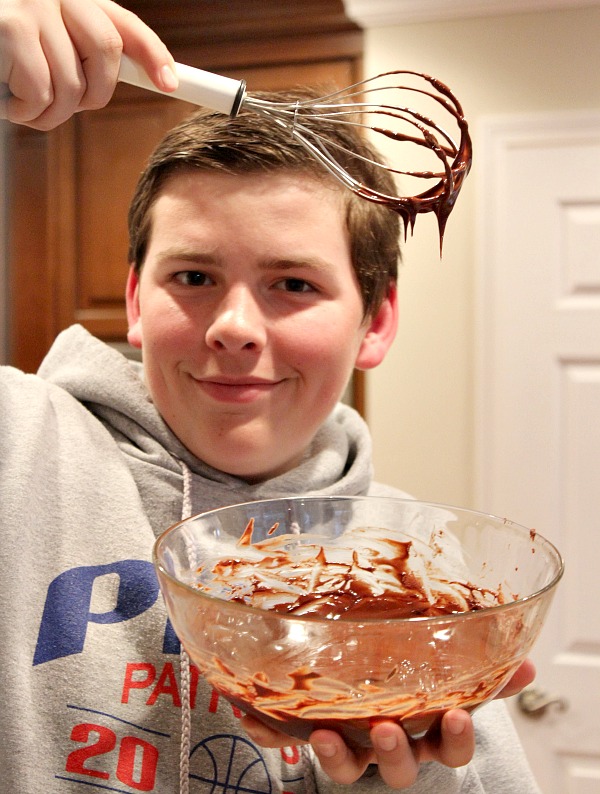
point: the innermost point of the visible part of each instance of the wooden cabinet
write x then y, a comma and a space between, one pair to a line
70, 188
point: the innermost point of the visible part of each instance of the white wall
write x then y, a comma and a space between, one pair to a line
420, 402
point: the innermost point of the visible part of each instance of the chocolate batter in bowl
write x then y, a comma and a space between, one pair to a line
340, 611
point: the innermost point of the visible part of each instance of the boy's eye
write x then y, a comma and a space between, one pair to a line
295, 285
193, 278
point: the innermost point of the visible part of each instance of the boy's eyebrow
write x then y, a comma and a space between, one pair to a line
310, 262
187, 255
194, 256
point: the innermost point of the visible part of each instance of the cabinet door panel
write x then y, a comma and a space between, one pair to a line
112, 147
32, 316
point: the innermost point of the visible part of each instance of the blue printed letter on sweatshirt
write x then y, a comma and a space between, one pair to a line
67, 609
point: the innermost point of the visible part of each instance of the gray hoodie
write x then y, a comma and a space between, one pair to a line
92, 690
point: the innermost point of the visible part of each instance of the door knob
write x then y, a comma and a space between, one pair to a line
535, 702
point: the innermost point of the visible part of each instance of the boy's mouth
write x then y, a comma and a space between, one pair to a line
241, 390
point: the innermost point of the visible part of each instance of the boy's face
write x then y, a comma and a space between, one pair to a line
250, 317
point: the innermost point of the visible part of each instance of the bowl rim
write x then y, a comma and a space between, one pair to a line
453, 616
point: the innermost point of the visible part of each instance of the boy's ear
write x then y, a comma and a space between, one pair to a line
381, 332
132, 300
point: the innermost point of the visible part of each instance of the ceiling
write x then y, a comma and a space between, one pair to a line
372, 13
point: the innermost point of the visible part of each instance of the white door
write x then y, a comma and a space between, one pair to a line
538, 387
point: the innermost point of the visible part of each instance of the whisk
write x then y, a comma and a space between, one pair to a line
351, 105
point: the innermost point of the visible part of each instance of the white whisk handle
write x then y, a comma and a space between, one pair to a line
214, 91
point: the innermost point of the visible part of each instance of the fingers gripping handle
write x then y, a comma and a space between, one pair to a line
214, 91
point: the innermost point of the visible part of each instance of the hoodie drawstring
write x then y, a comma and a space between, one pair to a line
186, 711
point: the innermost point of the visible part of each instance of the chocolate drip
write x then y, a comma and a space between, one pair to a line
456, 159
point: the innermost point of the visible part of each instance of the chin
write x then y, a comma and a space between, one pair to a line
253, 473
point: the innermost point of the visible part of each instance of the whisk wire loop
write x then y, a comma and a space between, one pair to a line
296, 108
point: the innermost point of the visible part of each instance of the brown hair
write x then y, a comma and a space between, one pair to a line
210, 141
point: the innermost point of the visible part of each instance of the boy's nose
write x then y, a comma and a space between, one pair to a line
237, 324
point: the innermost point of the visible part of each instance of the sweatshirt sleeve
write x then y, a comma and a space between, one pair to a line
499, 765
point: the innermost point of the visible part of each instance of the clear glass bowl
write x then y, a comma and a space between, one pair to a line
297, 673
